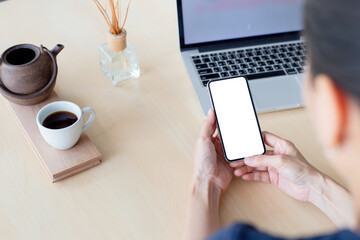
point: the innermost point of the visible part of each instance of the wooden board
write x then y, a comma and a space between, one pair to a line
59, 164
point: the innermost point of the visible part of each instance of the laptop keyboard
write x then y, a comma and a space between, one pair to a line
253, 63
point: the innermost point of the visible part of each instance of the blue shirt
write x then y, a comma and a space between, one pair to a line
246, 232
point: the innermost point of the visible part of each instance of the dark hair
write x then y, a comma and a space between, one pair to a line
332, 31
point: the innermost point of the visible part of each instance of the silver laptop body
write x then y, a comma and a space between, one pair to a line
267, 49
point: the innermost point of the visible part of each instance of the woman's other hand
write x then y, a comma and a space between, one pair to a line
287, 169
284, 166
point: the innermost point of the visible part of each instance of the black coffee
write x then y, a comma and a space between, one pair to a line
59, 120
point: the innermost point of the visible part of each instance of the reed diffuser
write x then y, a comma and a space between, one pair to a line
118, 58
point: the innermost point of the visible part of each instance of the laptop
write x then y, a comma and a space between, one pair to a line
258, 39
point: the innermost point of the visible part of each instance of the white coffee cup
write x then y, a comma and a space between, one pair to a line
64, 138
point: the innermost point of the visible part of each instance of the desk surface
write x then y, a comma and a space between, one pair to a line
145, 129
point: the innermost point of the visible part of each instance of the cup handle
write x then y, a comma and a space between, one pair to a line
91, 118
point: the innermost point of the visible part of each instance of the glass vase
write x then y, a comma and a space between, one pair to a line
119, 59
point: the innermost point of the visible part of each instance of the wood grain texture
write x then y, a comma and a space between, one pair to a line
59, 164
145, 129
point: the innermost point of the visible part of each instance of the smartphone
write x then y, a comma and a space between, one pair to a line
236, 118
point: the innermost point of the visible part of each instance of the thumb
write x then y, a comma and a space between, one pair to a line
209, 126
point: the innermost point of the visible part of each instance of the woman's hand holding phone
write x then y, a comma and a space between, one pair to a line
212, 175
210, 164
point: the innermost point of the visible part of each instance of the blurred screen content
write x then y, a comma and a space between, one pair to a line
214, 20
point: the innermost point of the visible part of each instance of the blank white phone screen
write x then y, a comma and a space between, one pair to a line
237, 122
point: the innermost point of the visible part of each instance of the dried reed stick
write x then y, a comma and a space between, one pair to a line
103, 12
127, 10
115, 9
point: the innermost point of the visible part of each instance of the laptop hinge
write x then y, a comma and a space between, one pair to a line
249, 42
188, 49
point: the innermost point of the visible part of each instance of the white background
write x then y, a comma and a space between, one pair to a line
236, 118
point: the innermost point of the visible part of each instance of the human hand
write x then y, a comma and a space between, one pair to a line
210, 164
285, 167
212, 176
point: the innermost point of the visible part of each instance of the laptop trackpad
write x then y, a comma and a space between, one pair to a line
276, 93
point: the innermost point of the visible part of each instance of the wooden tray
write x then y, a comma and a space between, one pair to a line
59, 164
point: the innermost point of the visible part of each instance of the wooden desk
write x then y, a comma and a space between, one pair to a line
145, 129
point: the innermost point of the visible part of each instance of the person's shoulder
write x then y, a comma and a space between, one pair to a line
238, 231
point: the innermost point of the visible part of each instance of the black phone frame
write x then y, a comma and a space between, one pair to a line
217, 122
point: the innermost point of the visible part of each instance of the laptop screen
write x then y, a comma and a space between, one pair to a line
215, 20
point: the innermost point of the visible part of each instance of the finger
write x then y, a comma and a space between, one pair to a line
270, 139
253, 168
275, 161
208, 127
243, 170
269, 152
275, 141
257, 176
216, 140
218, 146
237, 164
242, 163
217, 135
